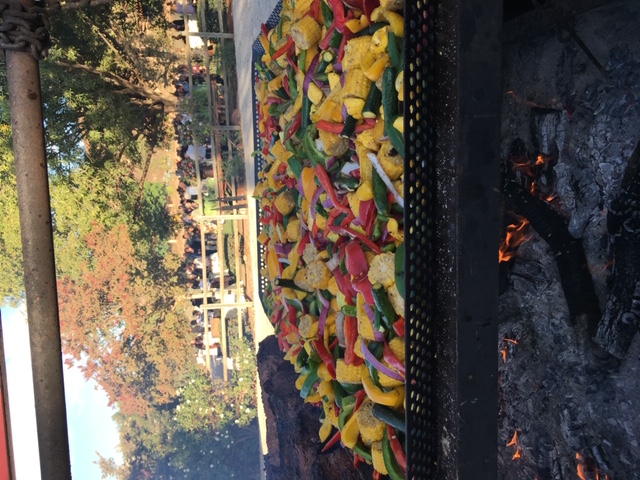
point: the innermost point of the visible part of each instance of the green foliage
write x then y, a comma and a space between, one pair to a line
204, 401
198, 107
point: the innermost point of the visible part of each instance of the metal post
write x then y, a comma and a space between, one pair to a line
39, 266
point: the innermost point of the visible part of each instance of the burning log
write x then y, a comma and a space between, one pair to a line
622, 313
569, 254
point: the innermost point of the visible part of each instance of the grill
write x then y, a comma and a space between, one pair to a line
452, 136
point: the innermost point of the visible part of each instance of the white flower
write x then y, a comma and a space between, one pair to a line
247, 410
237, 421
188, 401
240, 379
178, 408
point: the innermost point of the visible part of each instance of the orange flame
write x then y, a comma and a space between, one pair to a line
515, 237
514, 439
510, 340
586, 466
517, 455
504, 357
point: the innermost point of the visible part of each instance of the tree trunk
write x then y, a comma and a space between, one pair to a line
161, 96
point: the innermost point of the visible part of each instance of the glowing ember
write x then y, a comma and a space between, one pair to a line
510, 340
517, 455
516, 235
514, 439
586, 469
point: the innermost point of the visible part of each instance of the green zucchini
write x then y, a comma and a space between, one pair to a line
390, 417
372, 103
383, 304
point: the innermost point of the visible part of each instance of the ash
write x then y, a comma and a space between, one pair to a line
551, 393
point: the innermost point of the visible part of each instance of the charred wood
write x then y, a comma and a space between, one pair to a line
292, 427
621, 317
569, 254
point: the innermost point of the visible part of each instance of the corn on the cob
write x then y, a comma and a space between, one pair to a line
378, 459
371, 429
354, 51
392, 4
349, 373
308, 326
285, 203
301, 280
318, 275
383, 269
356, 84
379, 41
305, 32
333, 144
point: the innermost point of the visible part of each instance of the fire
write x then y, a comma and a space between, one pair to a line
516, 235
517, 455
514, 439
587, 470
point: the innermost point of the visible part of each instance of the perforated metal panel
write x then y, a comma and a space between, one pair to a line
420, 191
258, 51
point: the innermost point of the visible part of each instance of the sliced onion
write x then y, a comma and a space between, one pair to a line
340, 330
311, 72
323, 320
349, 167
284, 260
381, 367
385, 178
333, 262
377, 335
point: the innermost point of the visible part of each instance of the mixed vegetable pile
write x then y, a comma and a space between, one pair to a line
330, 89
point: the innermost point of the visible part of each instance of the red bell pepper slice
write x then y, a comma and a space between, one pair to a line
265, 31
350, 337
356, 261
332, 127
326, 357
344, 285
362, 284
293, 64
284, 48
360, 395
303, 243
293, 127
325, 182
398, 327
326, 41
368, 214
314, 10
392, 360
339, 18
397, 449
332, 441
355, 234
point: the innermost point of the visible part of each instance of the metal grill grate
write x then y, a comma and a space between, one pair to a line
420, 193
258, 51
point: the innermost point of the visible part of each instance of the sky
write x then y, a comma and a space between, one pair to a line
89, 419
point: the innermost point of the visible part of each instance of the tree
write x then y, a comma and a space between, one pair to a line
118, 324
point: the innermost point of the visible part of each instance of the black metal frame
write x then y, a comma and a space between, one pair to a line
467, 103
452, 134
